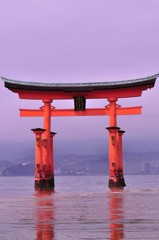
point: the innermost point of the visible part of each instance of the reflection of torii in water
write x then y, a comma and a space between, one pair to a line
79, 93
44, 204
116, 216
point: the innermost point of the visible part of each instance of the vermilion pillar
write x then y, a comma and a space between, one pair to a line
116, 178
47, 158
47, 126
113, 157
112, 112
39, 176
52, 134
120, 150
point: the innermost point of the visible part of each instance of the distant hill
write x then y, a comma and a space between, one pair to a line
78, 157
19, 170
73, 164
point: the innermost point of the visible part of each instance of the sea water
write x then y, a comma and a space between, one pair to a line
82, 207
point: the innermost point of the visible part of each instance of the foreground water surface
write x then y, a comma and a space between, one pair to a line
82, 207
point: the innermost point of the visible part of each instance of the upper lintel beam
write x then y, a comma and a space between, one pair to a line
96, 94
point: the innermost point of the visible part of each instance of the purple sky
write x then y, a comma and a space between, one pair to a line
79, 41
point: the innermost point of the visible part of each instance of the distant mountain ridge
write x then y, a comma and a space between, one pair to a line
73, 164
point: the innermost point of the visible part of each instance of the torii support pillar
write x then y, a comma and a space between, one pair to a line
44, 172
120, 150
51, 163
116, 179
39, 175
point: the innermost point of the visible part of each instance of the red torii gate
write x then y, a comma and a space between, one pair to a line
79, 92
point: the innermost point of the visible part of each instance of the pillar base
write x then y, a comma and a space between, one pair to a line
119, 183
44, 184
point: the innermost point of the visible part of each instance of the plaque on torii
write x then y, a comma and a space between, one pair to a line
79, 93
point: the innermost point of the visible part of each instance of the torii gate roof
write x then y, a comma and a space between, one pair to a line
89, 86
36, 90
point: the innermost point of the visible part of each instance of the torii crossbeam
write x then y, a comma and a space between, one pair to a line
79, 93
87, 112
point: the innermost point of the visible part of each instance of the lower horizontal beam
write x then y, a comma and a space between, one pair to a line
72, 113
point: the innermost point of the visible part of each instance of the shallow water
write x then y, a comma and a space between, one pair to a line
82, 207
